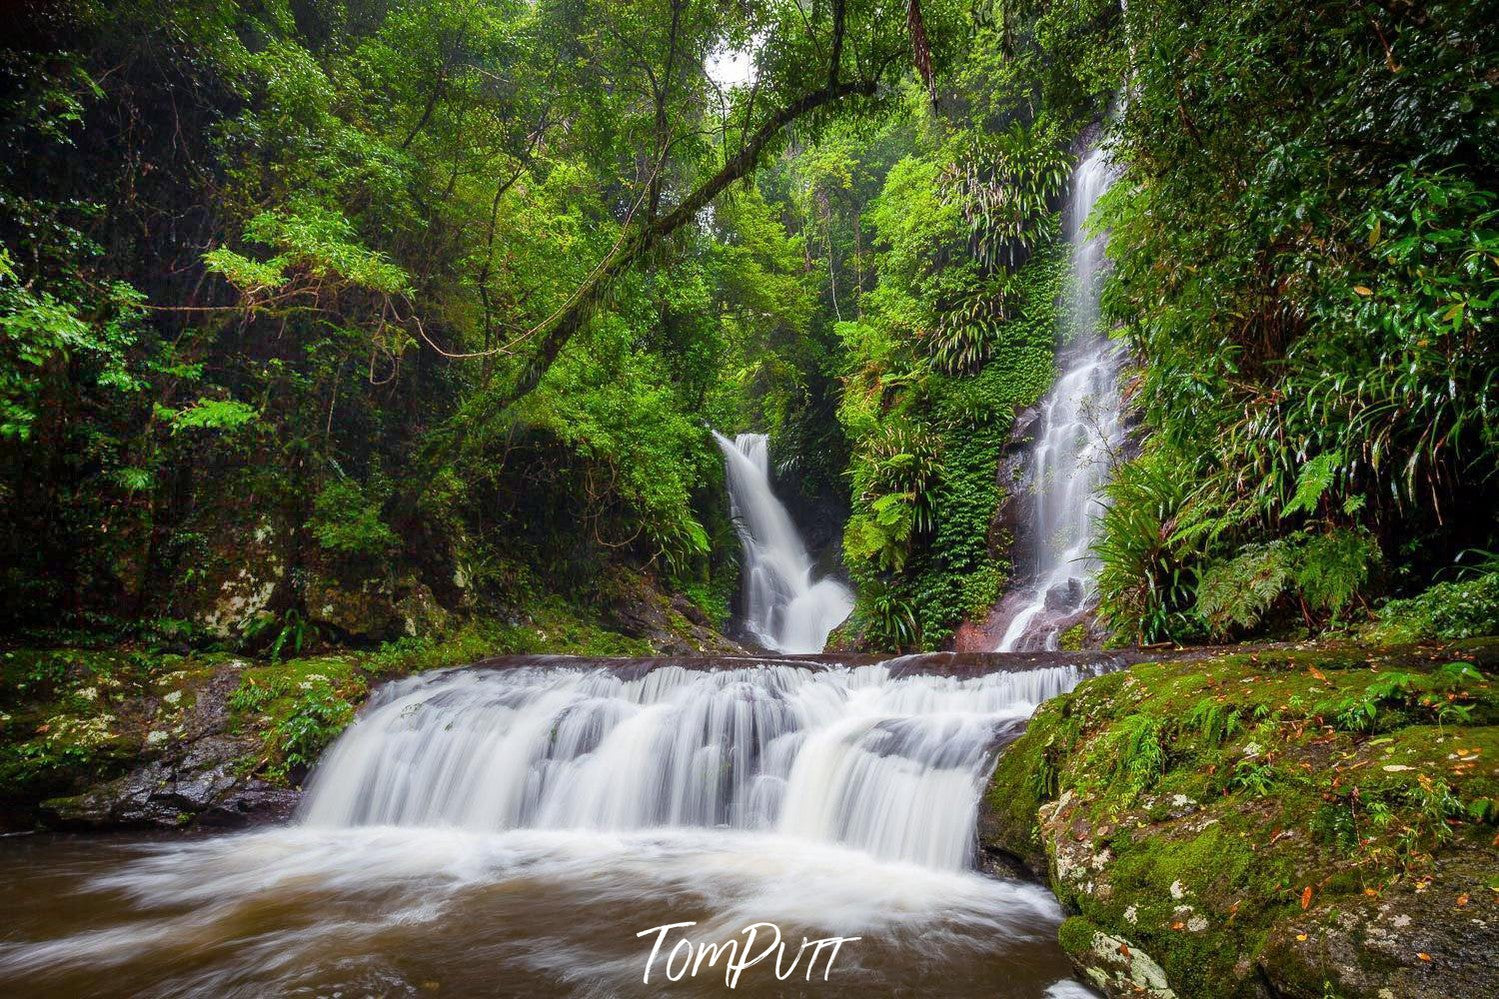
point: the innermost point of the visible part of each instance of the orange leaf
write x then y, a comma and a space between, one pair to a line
1362, 290
1424, 956
1301, 936
1306, 896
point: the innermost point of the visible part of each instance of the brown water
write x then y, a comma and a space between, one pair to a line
390, 912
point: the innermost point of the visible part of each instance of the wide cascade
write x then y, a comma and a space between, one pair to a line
1078, 432
785, 609
858, 757
524, 830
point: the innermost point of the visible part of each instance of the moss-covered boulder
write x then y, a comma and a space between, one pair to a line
1288, 821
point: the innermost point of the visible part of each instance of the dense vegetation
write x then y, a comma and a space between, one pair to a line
329, 320
1307, 266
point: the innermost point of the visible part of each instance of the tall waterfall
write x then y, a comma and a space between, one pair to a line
1077, 434
857, 757
784, 608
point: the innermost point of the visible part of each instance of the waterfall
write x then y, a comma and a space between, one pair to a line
784, 609
1077, 433
520, 828
891, 765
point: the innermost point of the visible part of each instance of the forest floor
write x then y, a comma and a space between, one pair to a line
1304, 820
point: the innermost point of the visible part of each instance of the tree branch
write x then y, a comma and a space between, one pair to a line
488, 405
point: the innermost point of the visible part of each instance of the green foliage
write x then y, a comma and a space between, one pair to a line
1461, 609
503, 252
346, 521
1253, 777
214, 414
281, 636
314, 240
317, 718
1324, 571
1213, 721
1136, 756
1146, 589
1312, 307
1445, 696
928, 412
45, 336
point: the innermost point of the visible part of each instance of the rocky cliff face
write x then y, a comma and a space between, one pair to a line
1275, 822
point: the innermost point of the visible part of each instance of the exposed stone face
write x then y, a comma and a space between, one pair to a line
672, 625
1378, 942
239, 573
202, 785
192, 771
1118, 969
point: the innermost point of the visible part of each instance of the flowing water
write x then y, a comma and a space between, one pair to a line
1077, 434
785, 609
512, 831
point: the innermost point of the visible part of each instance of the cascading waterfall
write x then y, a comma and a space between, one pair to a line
1077, 434
516, 830
848, 756
784, 608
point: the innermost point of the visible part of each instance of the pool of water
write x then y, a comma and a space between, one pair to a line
386, 911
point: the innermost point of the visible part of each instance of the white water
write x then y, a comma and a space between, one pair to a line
785, 609
511, 832
1078, 433
854, 757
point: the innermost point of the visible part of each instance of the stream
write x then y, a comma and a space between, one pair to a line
524, 830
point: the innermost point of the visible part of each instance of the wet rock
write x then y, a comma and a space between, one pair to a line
1423, 939
1117, 967
364, 605
204, 786
193, 770
671, 625
243, 574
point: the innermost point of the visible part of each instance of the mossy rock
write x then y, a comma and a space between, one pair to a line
1272, 820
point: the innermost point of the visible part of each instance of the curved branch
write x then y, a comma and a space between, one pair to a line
489, 404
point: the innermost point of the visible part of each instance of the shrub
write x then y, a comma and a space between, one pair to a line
345, 521
1463, 609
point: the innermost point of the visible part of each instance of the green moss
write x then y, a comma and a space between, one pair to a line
72, 717
1074, 639
67, 713
1208, 796
1076, 935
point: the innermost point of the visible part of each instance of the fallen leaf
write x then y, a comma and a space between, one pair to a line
1363, 290
1306, 896
1424, 956
1462, 899
1301, 936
